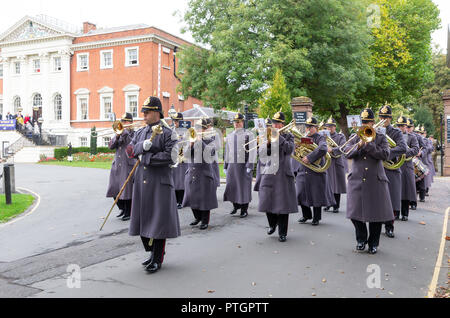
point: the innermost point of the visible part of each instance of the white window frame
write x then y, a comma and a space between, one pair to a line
54, 64
106, 141
79, 55
54, 106
131, 90
36, 70
17, 63
102, 60
127, 55
1, 68
102, 106
127, 99
81, 141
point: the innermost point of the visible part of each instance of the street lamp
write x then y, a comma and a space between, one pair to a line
40, 121
172, 112
246, 116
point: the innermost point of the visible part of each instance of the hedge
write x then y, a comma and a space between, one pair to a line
61, 153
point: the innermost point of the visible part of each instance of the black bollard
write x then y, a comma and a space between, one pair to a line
7, 177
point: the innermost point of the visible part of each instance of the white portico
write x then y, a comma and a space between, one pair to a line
36, 54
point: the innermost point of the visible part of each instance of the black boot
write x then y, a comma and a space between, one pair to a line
271, 230
326, 209
147, 261
120, 214
195, 222
302, 220
361, 246
153, 267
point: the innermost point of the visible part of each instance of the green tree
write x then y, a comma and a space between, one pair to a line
431, 99
276, 98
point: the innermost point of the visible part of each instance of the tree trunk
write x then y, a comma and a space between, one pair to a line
342, 120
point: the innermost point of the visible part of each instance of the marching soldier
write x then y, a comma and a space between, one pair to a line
336, 172
200, 183
420, 184
238, 167
154, 214
121, 168
277, 183
215, 140
179, 172
394, 176
312, 186
408, 177
368, 198
259, 165
427, 160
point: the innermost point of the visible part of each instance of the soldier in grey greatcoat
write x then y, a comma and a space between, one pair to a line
154, 214
408, 177
179, 172
336, 172
427, 160
217, 143
277, 186
423, 150
121, 168
394, 176
238, 167
200, 184
368, 198
312, 186
259, 165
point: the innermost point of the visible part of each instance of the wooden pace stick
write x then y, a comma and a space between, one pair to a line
120, 193
157, 130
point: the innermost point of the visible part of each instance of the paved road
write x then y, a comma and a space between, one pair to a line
234, 258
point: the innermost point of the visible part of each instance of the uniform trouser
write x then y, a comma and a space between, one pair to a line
405, 207
306, 210
389, 225
201, 215
420, 185
280, 220
125, 206
374, 232
157, 248
180, 195
243, 207
337, 198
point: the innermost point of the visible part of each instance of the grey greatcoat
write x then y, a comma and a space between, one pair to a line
395, 176
429, 162
179, 172
368, 198
277, 186
408, 177
423, 147
154, 211
236, 162
336, 172
121, 167
312, 186
200, 184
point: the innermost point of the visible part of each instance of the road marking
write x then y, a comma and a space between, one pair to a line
437, 268
38, 201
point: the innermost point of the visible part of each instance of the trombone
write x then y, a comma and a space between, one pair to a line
366, 133
118, 128
272, 134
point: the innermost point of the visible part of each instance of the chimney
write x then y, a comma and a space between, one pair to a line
88, 26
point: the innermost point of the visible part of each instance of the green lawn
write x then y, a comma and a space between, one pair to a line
83, 164
20, 202
100, 165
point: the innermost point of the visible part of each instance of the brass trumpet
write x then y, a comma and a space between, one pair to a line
118, 128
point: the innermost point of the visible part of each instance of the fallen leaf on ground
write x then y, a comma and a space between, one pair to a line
253, 284
313, 294
211, 291
423, 223
447, 238
324, 280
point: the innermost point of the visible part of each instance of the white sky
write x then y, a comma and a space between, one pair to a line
158, 13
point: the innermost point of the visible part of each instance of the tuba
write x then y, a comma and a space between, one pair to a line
398, 162
303, 149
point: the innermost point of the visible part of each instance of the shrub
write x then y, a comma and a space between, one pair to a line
61, 153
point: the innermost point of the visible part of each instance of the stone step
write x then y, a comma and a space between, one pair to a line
32, 154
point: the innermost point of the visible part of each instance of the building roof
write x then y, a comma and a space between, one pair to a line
199, 111
115, 29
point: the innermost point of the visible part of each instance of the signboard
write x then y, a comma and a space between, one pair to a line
185, 124
251, 116
259, 123
448, 128
300, 117
354, 121
8, 124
